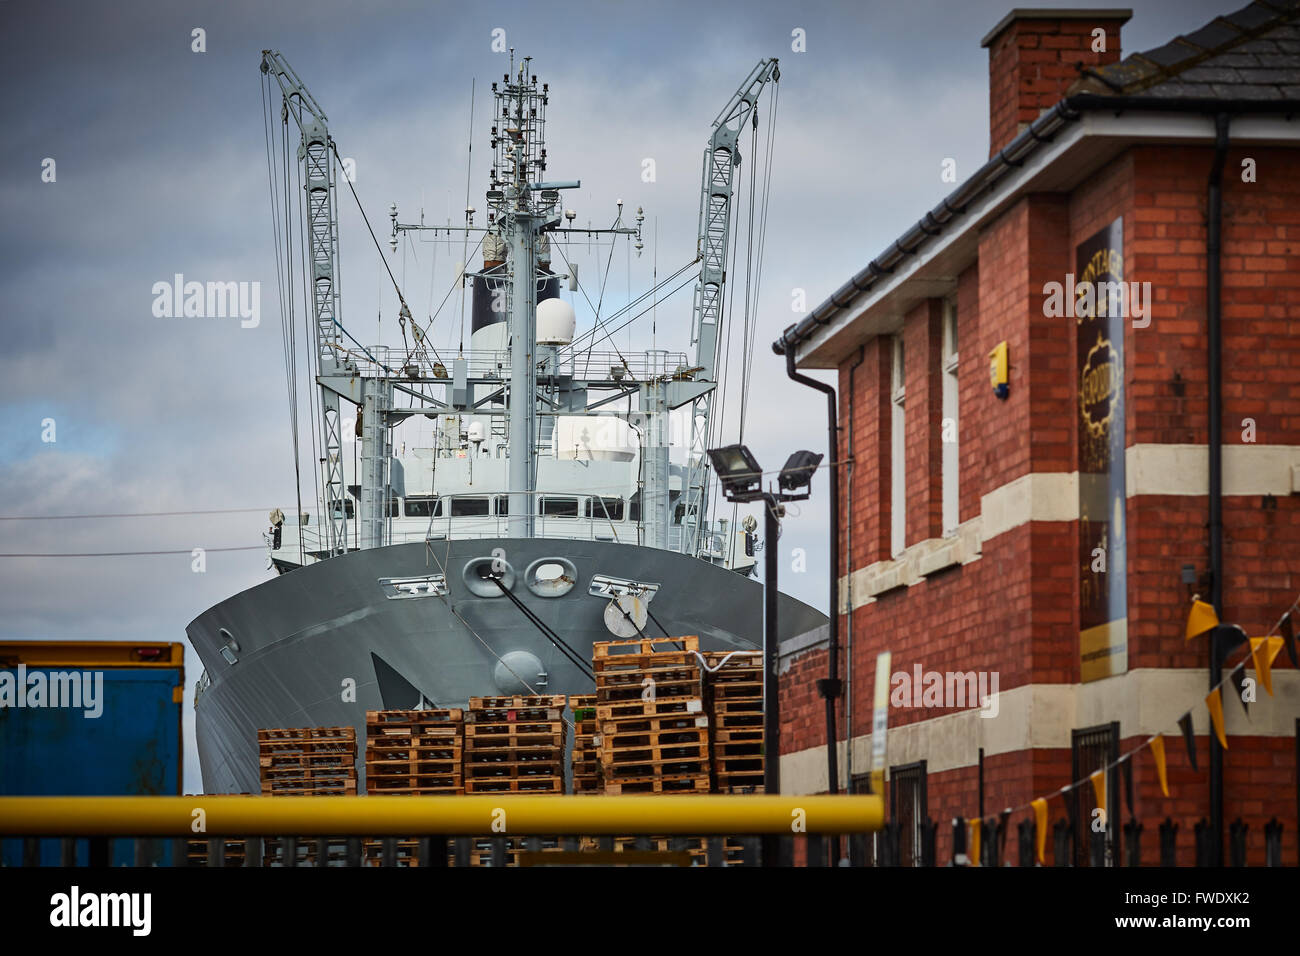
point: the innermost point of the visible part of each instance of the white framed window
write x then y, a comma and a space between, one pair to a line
951, 461
897, 455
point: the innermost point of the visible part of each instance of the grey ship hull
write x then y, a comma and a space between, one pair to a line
304, 636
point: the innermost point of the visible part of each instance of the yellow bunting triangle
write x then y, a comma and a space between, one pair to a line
1201, 619
1158, 751
1275, 645
975, 840
1214, 701
1259, 653
1040, 825
1099, 788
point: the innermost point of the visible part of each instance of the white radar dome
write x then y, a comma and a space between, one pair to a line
555, 322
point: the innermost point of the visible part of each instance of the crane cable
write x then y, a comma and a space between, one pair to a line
405, 312
549, 634
287, 332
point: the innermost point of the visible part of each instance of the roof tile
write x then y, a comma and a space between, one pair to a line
1245, 91
1206, 73
1172, 53
1213, 35
1248, 18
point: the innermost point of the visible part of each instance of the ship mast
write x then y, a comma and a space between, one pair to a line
525, 207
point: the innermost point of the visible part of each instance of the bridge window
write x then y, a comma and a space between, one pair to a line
423, 507
470, 507
560, 507
605, 509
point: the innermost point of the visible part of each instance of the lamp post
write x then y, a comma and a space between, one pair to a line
742, 481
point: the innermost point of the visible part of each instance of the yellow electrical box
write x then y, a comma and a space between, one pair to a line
998, 370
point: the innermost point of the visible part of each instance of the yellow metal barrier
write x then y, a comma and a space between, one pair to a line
200, 816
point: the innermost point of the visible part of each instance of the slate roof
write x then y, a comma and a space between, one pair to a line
1253, 55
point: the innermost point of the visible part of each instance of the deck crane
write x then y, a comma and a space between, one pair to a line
721, 158
316, 154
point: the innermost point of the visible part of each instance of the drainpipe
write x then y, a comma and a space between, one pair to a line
848, 571
829, 687
1214, 356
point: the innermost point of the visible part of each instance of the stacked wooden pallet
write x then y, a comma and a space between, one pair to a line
481, 851
696, 848
734, 692
415, 752
654, 732
196, 852
587, 777
308, 761
412, 753
515, 744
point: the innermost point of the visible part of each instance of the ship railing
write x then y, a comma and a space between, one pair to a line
486, 830
380, 361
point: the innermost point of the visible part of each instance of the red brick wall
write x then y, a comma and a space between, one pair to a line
866, 410
923, 446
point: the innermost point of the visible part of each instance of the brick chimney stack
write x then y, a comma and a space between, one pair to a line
1034, 57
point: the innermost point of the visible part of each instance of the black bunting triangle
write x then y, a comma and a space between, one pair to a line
1003, 817
1185, 725
1288, 637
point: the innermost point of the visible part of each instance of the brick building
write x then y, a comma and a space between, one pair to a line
1050, 538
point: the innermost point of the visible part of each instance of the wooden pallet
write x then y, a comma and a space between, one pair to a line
315, 734
494, 755
752, 734
519, 702
696, 783
233, 852
514, 769
554, 784
645, 646
635, 738
311, 789
487, 735
408, 852
307, 740
520, 708
658, 707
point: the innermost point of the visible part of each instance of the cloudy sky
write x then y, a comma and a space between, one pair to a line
160, 168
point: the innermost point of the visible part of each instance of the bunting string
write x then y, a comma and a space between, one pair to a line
1156, 742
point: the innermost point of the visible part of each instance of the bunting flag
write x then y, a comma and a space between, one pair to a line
1158, 751
1099, 788
975, 828
1202, 618
1237, 677
1003, 821
1040, 826
1274, 648
1214, 701
1185, 724
1288, 635
1259, 653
